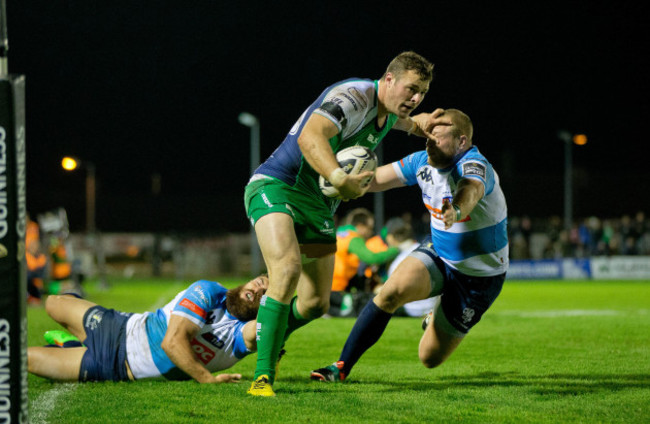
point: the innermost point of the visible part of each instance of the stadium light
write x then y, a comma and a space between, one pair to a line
70, 164
253, 123
569, 140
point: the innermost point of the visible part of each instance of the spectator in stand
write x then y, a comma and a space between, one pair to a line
36, 263
375, 275
519, 247
351, 250
643, 243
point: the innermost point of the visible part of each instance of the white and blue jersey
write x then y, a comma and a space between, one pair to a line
218, 345
477, 245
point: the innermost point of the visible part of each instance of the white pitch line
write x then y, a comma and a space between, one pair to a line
562, 313
45, 403
167, 296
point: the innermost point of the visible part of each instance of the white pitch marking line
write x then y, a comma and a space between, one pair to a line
562, 313
165, 297
45, 403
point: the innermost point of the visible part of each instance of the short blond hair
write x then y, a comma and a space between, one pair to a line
462, 124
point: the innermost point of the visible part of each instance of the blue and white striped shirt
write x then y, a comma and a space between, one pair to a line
477, 245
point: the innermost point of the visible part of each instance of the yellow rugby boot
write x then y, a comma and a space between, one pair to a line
261, 387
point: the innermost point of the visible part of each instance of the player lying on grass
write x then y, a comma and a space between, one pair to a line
465, 260
206, 328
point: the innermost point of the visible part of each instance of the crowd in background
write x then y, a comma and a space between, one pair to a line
547, 238
592, 236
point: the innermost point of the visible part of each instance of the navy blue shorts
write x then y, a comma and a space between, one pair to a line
105, 359
463, 298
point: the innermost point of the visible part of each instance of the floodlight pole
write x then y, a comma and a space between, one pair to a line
92, 236
253, 123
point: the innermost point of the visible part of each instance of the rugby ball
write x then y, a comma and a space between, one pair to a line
353, 160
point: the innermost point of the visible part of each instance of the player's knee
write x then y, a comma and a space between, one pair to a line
431, 360
389, 300
52, 304
286, 272
315, 307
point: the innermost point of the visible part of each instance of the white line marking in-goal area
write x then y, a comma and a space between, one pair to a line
166, 297
562, 313
44, 404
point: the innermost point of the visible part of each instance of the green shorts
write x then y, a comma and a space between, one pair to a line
312, 216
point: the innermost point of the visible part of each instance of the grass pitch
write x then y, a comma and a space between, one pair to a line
546, 352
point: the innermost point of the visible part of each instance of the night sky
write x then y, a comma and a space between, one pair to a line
155, 88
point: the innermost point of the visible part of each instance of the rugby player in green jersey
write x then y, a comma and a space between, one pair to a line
294, 221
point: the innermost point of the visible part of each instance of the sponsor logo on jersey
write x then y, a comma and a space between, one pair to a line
371, 138
351, 100
202, 352
199, 291
187, 303
474, 168
425, 174
212, 317
213, 340
358, 97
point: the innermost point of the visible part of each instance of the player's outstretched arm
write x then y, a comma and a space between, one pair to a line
385, 179
422, 123
177, 346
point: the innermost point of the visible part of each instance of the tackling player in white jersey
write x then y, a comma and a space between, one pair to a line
465, 261
206, 328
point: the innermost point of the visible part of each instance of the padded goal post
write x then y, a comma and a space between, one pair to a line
13, 216
13, 282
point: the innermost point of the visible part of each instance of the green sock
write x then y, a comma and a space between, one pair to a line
271, 326
295, 319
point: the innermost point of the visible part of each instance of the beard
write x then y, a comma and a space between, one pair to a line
439, 159
242, 309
